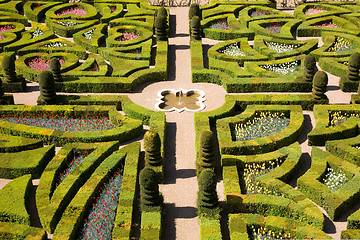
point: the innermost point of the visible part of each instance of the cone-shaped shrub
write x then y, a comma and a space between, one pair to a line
161, 28
152, 145
320, 82
207, 196
1, 90
195, 27
310, 64
272, 3
206, 158
55, 69
47, 88
149, 190
194, 10
8, 66
161, 11
353, 67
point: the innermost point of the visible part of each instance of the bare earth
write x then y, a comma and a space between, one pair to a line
180, 188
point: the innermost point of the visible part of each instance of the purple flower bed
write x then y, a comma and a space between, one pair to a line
5, 29
78, 158
275, 28
221, 24
258, 13
128, 36
328, 25
83, 122
77, 11
41, 65
312, 11
101, 216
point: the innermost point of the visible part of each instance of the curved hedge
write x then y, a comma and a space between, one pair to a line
288, 27
331, 10
59, 26
10, 143
35, 10
259, 145
20, 231
345, 149
324, 132
91, 12
91, 38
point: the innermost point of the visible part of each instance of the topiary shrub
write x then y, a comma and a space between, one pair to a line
1, 91
320, 82
150, 198
152, 145
55, 69
206, 158
194, 10
207, 202
195, 28
47, 88
310, 64
8, 66
272, 3
161, 28
161, 12
353, 67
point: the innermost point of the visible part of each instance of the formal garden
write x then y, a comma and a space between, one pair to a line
85, 152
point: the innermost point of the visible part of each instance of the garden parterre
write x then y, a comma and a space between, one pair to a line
117, 56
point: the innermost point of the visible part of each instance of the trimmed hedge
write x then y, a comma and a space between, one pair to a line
51, 200
75, 213
286, 31
16, 193
285, 137
240, 226
59, 26
334, 203
35, 10
324, 132
151, 225
331, 10
210, 228
10, 143
90, 15
292, 203
108, 13
97, 39
345, 149
93, 66
20, 231
17, 164
245, 14
128, 128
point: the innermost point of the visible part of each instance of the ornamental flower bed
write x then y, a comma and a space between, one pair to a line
316, 10
281, 47
261, 233
274, 28
41, 65
89, 34
254, 170
78, 158
258, 13
328, 25
288, 68
101, 216
94, 68
76, 11
334, 180
221, 24
83, 122
128, 36
338, 117
68, 24
341, 44
37, 33
35, 6
264, 124
233, 50
5, 29
55, 44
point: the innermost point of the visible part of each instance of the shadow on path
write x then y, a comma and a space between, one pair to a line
170, 152
32, 209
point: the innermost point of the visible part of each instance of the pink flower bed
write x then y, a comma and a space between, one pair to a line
77, 11
312, 11
274, 28
41, 65
94, 68
5, 29
329, 25
128, 36
258, 13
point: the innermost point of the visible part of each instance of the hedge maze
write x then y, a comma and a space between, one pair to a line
76, 161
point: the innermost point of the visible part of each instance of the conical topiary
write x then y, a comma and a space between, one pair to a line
1, 91
152, 145
55, 69
320, 82
47, 88
8, 66
207, 196
161, 28
272, 3
206, 153
310, 64
195, 28
149, 189
194, 11
161, 11
353, 67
